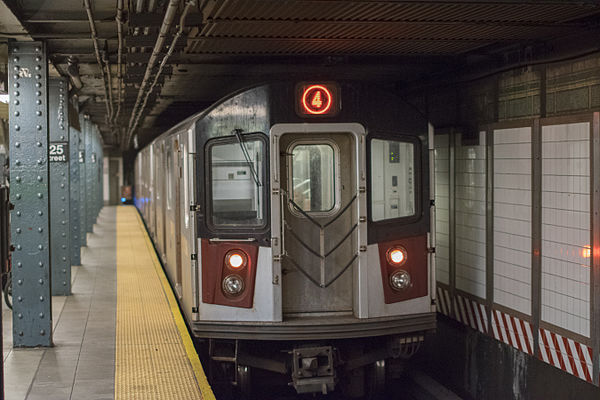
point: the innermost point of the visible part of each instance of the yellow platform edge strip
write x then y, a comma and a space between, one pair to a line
125, 213
205, 389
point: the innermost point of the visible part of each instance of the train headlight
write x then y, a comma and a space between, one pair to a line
233, 285
236, 259
400, 280
396, 256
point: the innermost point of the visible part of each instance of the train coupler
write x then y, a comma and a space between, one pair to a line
313, 369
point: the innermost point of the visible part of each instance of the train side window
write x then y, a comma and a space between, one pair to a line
313, 177
169, 180
392, 179
237, 183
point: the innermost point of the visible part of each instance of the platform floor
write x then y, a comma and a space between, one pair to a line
119, 336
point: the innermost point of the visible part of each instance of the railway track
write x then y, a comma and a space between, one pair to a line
415, 385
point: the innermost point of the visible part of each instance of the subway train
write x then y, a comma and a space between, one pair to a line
294, 221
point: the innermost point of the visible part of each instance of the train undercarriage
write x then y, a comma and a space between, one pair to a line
354, 367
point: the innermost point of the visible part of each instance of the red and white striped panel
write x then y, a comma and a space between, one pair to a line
471, 313
513, 331
566, 354
443, 301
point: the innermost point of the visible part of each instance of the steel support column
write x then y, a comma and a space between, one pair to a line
58, 161
90, 160
75, 222
100, 197
32, 311
536, 233
83, 122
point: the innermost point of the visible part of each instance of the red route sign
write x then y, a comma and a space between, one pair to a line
316, 100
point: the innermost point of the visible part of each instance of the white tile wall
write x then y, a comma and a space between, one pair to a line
442, 203
470, 217
512, 218
566, 226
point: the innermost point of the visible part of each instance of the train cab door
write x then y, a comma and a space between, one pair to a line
319, 220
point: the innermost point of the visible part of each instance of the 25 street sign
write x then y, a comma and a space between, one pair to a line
58, 152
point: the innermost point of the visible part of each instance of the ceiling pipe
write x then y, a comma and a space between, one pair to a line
188, 5
156, 51
109, 79
88, 9
119, 20
139, 6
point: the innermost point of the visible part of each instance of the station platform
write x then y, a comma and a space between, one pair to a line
120, 335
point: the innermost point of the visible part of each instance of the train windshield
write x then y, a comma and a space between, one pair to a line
236, 196
392, 179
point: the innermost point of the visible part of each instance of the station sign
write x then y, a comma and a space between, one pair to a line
58, 152
317, 99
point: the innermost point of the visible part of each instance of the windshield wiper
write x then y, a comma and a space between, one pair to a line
238, 135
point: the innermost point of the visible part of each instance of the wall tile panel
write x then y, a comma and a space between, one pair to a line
512, 218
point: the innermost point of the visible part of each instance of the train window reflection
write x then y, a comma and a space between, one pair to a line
392, 179
313, 177
237, 199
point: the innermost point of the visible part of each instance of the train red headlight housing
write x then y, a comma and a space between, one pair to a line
396, 256
236, 259
233, 285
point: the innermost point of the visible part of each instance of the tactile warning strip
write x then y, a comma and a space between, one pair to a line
155, 357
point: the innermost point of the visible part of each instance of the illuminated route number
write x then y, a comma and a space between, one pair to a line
317, 99
58, 152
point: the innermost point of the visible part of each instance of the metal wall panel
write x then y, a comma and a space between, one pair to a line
32, 312
58, 160
512, 218
566, 231
470, 186
442, 203
75, 223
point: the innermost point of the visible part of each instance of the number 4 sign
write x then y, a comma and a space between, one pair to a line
58, 152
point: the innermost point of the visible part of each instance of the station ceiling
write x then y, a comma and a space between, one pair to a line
224, 45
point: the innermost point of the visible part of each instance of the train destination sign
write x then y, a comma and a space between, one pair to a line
319, 99
58, 152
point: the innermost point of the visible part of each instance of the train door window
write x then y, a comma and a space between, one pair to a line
392, 179
313, 177
237, 176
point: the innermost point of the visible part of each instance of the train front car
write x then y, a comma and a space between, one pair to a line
314, 248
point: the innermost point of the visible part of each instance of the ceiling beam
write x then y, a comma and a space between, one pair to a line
153, 19
66, 17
